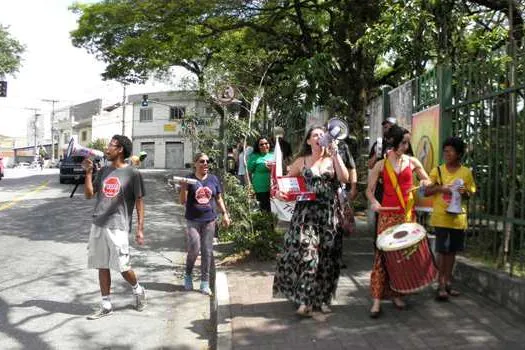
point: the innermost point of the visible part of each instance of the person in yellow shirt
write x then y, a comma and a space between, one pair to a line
450, 180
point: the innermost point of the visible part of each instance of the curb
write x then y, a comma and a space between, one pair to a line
223, 320
506, 291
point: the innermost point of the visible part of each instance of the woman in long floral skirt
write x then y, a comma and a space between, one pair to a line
308, 270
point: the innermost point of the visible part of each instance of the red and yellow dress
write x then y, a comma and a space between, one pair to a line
379, 283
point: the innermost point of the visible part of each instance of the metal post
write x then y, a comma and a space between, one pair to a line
123, 108
52, 129
222, 127
35, 116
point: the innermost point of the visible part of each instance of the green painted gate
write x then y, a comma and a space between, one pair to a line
483, 103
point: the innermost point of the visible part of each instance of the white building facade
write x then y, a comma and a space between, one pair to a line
158, 127
109, 122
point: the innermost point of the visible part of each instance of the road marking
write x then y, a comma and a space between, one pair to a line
18, 199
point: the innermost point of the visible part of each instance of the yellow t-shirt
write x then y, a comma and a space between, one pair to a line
440, 201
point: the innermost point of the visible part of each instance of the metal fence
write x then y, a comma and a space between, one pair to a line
483, 103
487, 111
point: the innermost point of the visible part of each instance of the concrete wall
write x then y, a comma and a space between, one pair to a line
108, 123
506, 291
400, 100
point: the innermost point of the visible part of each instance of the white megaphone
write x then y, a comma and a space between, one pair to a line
74, 149
336, 130
379, 148
455, 202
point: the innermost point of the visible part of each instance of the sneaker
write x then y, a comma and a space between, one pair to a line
101, 312
325, 309
188, 282
205, 288
140, 300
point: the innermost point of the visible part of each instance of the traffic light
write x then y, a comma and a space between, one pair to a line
144, 101
3, 88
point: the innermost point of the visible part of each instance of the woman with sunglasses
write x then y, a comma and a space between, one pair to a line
201, 193
397, 170
259, 168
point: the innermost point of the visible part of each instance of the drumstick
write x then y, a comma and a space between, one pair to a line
414, 188
388, 208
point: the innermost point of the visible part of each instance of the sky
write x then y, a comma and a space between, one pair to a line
52, 67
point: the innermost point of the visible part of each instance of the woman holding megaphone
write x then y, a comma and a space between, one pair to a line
308, 269
449, 225
201, 193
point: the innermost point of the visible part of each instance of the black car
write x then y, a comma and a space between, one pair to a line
71, 170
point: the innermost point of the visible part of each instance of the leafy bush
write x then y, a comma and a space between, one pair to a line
251, 230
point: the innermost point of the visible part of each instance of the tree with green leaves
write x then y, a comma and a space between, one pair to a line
98, 144
332, 53
11, 51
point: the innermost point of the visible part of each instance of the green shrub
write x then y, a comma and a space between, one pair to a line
251, 230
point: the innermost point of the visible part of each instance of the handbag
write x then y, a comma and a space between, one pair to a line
345, 215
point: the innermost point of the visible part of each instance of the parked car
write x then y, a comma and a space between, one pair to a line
71, 170
1, 167
23, 165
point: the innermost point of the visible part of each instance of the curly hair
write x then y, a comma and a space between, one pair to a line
125, 143
456, 143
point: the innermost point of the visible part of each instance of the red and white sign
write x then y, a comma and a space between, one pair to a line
111, 187
290, 188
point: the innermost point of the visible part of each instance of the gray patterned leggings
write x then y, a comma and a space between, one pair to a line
199, 236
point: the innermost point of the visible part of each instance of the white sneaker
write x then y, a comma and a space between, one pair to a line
101, 312
205, 288
140, 300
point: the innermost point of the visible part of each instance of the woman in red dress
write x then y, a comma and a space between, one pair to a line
397, 171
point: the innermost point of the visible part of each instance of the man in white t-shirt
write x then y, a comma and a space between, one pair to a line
241, 171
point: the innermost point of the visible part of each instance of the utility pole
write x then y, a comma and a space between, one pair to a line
52, 127
35, 118
123, 107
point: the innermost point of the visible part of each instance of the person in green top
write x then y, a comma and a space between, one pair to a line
259, 168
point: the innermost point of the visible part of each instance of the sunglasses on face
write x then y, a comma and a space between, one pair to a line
203, 161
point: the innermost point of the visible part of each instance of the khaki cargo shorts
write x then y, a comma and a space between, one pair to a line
108, 249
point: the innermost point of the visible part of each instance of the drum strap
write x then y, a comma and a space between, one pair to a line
393, 178
440, 178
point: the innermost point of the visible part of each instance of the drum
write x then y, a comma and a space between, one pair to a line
408, 258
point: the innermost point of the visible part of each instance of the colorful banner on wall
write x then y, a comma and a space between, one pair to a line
425, 143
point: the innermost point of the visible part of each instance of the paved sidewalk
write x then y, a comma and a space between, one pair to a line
254, 320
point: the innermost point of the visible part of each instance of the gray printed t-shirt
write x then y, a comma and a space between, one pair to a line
116, 192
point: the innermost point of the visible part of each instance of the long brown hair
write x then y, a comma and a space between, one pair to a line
306, 149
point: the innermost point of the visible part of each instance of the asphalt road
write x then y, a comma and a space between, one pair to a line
46, 290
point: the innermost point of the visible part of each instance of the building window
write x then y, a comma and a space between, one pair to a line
177, 112
146, 114
84, 135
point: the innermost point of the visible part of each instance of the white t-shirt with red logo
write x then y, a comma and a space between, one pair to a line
116, 190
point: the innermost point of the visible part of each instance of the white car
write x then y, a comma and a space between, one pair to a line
23, 165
